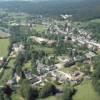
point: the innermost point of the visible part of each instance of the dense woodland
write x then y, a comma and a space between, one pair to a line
81, 10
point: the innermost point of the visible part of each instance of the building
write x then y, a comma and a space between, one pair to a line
90, 55
1, 60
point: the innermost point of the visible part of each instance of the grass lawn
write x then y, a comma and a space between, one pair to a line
70, 69
46, 49
27, 66
39, 28
16, 97
4, 43
86, 92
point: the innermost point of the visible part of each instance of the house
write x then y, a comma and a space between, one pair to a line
42, 68
66, 16
90, 55
69, 63
77, 76
28, 75
35, 80
1, 60
16, 77
16, 49
14, 80
11, 82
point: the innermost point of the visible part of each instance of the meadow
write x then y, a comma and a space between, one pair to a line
4, 43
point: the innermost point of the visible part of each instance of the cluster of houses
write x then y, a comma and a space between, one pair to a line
52, 71
42, 68
16, 48
45, 71
82, 38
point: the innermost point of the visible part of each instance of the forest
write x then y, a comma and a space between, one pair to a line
81, 9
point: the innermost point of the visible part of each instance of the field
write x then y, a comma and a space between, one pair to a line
95, 21
86, 92
45, 49
16, 97
7, 74
39, 28
4, 43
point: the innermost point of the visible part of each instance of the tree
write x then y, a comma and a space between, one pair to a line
1, 95
5, 93
20, 60
7, 90
27, 92
76, 32
68, 92
48, 90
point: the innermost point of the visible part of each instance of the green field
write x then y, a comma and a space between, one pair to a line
95, 21
39, 28
4, 43
48, 50
7, 74
86, 92
16, 97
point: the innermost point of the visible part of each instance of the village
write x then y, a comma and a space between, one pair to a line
54, 51
80, 37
